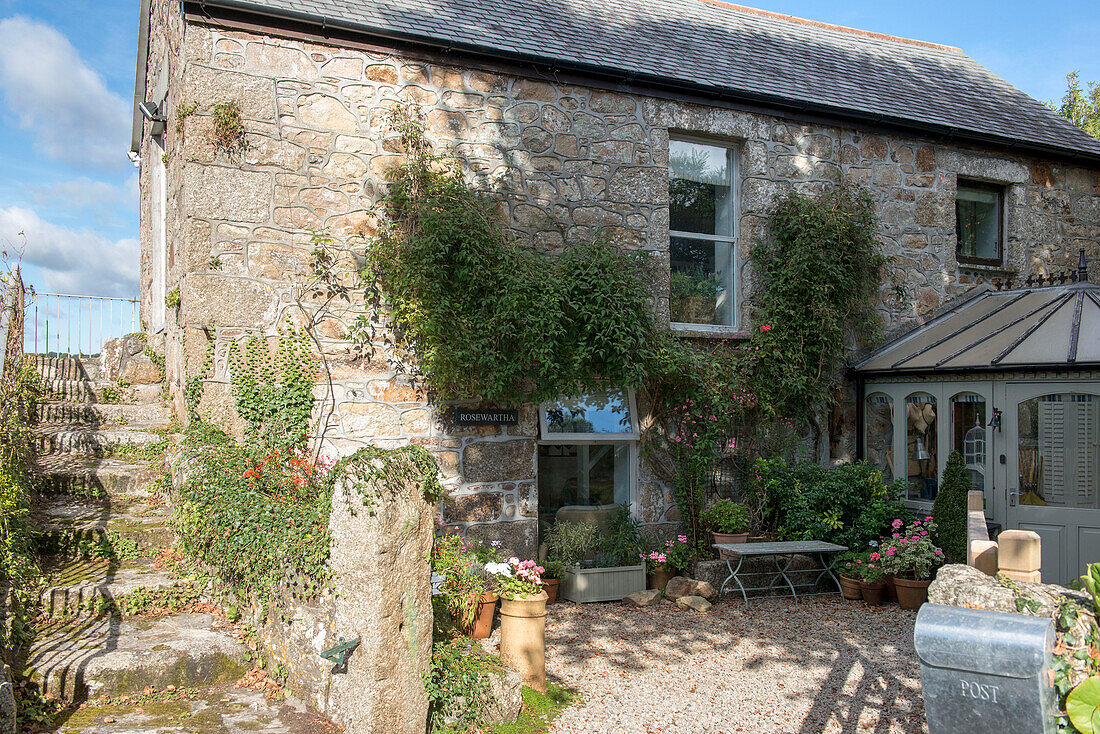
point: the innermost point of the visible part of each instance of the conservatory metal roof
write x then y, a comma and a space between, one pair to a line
1051, 327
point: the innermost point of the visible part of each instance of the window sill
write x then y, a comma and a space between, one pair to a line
705, 331
987, 269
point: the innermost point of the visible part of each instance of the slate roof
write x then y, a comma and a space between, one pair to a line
727, 49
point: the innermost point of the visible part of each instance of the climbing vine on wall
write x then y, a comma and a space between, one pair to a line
274, 391
483, 316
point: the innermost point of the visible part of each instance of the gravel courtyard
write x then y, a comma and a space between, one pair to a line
823, 665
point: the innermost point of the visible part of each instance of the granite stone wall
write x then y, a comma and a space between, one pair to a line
566, 163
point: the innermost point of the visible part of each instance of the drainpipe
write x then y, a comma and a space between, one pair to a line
860, 389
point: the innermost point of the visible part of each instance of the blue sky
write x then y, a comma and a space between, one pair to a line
67, 74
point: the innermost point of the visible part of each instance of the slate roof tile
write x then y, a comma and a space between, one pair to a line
714, 44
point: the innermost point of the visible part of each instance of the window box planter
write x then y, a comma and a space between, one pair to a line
582, 585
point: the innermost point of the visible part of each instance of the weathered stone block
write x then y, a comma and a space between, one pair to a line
254, 95
516, 537
220, 192
477, 507
327, 113
695, 603
369, 420
212, 299
499, 461
278, 61
642, 598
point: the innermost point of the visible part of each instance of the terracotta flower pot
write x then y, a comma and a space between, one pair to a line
849, 587
550, 586
730, 538
523, 638
911, 593
872, 593
659, 578
482, 624
891, 595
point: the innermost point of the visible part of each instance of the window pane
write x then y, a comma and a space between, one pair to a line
977, 223
607, 413
968, 435
700, 193
920, 447
880, 435
573, 478
1059, 459
700, 281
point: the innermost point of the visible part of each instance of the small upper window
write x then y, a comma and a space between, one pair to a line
599, 416
978, 217
703, 230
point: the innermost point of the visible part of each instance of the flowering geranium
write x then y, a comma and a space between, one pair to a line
915, 555
654, 560
522, 578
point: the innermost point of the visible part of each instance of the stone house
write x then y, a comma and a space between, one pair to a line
589, 119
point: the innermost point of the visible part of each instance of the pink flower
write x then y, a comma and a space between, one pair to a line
928, 518
939, 552
897, 535
890, 552
896, 524
875, 556
904, 540
924, 532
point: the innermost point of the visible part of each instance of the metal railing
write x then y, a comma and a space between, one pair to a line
65, 324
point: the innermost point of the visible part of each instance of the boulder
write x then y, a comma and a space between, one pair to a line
642, 598
7, 701
958, 585
505, 697
140, 370
697, 603
679, 586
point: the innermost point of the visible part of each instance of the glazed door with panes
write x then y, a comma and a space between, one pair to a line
1052, 442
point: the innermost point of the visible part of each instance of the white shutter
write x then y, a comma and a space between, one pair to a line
1052, 450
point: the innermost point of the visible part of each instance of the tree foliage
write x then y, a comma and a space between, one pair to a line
1080, 107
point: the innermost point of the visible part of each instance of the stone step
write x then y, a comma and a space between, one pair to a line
222, 709
100, 391
66, 438
90, 476
65, 520
79, 659
79, 588
67, 368
155, 414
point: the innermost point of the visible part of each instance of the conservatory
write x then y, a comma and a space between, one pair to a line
1011, 380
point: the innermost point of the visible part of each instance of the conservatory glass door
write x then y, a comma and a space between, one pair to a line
1052, 433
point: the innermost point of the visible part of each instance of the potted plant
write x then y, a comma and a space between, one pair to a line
467, 591
727, 521
693, 296
598, 568
871, 583
664, 563
849, 576
523, 620
551, 579
917, 557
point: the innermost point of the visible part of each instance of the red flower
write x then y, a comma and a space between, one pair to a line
766, 327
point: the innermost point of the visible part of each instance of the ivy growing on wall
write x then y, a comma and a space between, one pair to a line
274, 391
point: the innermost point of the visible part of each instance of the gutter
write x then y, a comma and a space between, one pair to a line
138, 124
631, 80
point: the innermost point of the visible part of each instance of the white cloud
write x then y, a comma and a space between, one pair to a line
58, 98
81, 262
102, 199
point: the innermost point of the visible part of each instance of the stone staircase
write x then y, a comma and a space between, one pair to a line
103, 522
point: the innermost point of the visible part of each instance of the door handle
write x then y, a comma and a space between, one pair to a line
1012, 495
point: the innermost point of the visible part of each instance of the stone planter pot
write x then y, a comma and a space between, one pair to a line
482, 624
849, 587
582, 585
872, 593
891, 595
550, 586
659, 578
523, 638
911, 593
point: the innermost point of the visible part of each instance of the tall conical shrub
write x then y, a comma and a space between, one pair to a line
950, 509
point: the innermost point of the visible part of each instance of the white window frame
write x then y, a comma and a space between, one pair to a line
589, 439
735, 217
632, 435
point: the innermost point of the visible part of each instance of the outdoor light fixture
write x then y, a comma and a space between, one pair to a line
919, 452
995, 421
152, 114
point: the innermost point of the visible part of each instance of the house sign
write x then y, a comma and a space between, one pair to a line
485, 417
